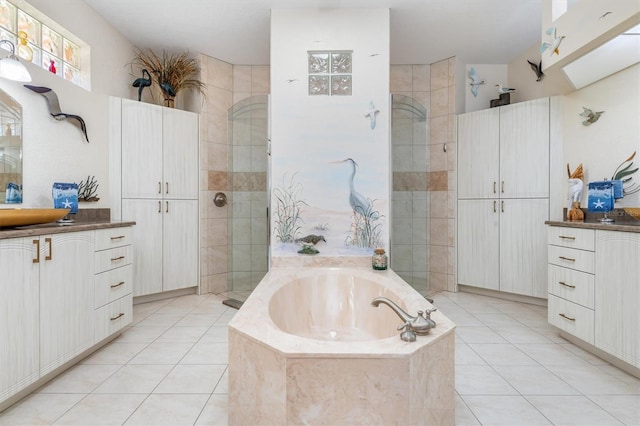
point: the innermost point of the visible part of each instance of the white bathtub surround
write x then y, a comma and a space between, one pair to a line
294, 357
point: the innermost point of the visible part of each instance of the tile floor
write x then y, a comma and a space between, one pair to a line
170, 368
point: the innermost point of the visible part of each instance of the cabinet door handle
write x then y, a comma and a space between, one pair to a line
167, 210
115, 259
566, 285
50, 255
119, 237
567, 317
502, 187
159, 206
37, 243
494, 206
564, 237
120, 315
568, 259
167, 187
502, 206
494, 186
159, 187
117, 285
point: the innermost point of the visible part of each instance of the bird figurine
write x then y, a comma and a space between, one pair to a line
358, 202
308, 243
590, 116
537, 68
475, 81
554, 45
372, 115
54, 108
142, 82
604, 15
169, 93
503, 90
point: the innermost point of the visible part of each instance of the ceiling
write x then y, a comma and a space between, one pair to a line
422, 31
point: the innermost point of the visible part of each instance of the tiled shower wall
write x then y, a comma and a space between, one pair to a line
226, 84
434, 87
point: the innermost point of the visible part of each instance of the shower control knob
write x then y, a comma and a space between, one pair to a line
220, 199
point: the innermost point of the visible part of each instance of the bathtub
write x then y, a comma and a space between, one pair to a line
307, 347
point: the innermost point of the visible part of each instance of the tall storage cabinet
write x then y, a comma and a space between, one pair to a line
503, 198
159, 190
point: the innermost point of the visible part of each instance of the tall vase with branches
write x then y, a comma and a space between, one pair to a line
171, 72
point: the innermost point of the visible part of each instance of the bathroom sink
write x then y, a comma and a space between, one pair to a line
21, 217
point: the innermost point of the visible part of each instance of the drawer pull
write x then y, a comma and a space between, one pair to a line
121, 314
566, 285
568, 259
566, 317
115, 259
119, 237
117, 285
564, 237
37, 243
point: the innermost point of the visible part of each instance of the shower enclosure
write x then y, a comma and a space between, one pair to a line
409, 207
248, 232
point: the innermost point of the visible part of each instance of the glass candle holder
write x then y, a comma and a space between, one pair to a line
379, 260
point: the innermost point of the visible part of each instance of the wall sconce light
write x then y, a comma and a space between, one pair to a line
11, 68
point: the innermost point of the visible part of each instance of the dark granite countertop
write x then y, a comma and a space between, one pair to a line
56, 228
622, 226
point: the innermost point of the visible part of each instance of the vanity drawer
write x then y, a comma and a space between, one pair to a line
113, 284
113, 237
579, 260
113, 317
572, 318
572, 285
579, 238
113, 258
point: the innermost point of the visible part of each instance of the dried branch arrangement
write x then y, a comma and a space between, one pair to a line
88, 191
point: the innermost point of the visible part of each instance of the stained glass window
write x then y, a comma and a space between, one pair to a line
44, 45
330, 73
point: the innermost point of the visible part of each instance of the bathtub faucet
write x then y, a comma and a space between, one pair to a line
420, 324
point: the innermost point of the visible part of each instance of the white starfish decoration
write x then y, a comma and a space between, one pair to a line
598, 204
372, 114
66, 203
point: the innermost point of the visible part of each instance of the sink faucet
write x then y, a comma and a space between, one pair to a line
420, 324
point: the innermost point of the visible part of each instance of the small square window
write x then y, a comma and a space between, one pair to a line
341, 85
319, 85
318, 63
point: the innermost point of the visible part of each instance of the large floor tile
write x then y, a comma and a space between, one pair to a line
504, 410
39, 409
215, 412
589, 380
467, 356
464, 416
534, 380
207, 353
169, 409
139, 334
82, 378
159, 320
478, 335
186, 379
135, 379
517, 334
481, 380
625, 408
572, 410
107, 409
501, 354
162, 353
182, 334
550, 354
115, 353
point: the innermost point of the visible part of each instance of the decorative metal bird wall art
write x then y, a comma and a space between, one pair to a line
142, 82
537, 68
590, 116
475, 81
554, 45
372, 115
54, 108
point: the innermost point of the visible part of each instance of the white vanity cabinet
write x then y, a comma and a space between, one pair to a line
503, 198
157, 152
19, 325
594, 290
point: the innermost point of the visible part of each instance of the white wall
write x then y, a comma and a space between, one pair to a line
309, 132
55, 151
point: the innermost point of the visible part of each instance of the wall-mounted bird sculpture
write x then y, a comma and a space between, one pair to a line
142, 82
502, 89
537, 68
372, 115
554, 45
54, 108
475, 81
590, 116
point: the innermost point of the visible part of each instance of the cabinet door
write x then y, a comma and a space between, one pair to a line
478, 154
478, 239
147, 244
181, 243
66, 297
180, 159
141, 150
523, 246
19, 304
524, 149
617, 293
